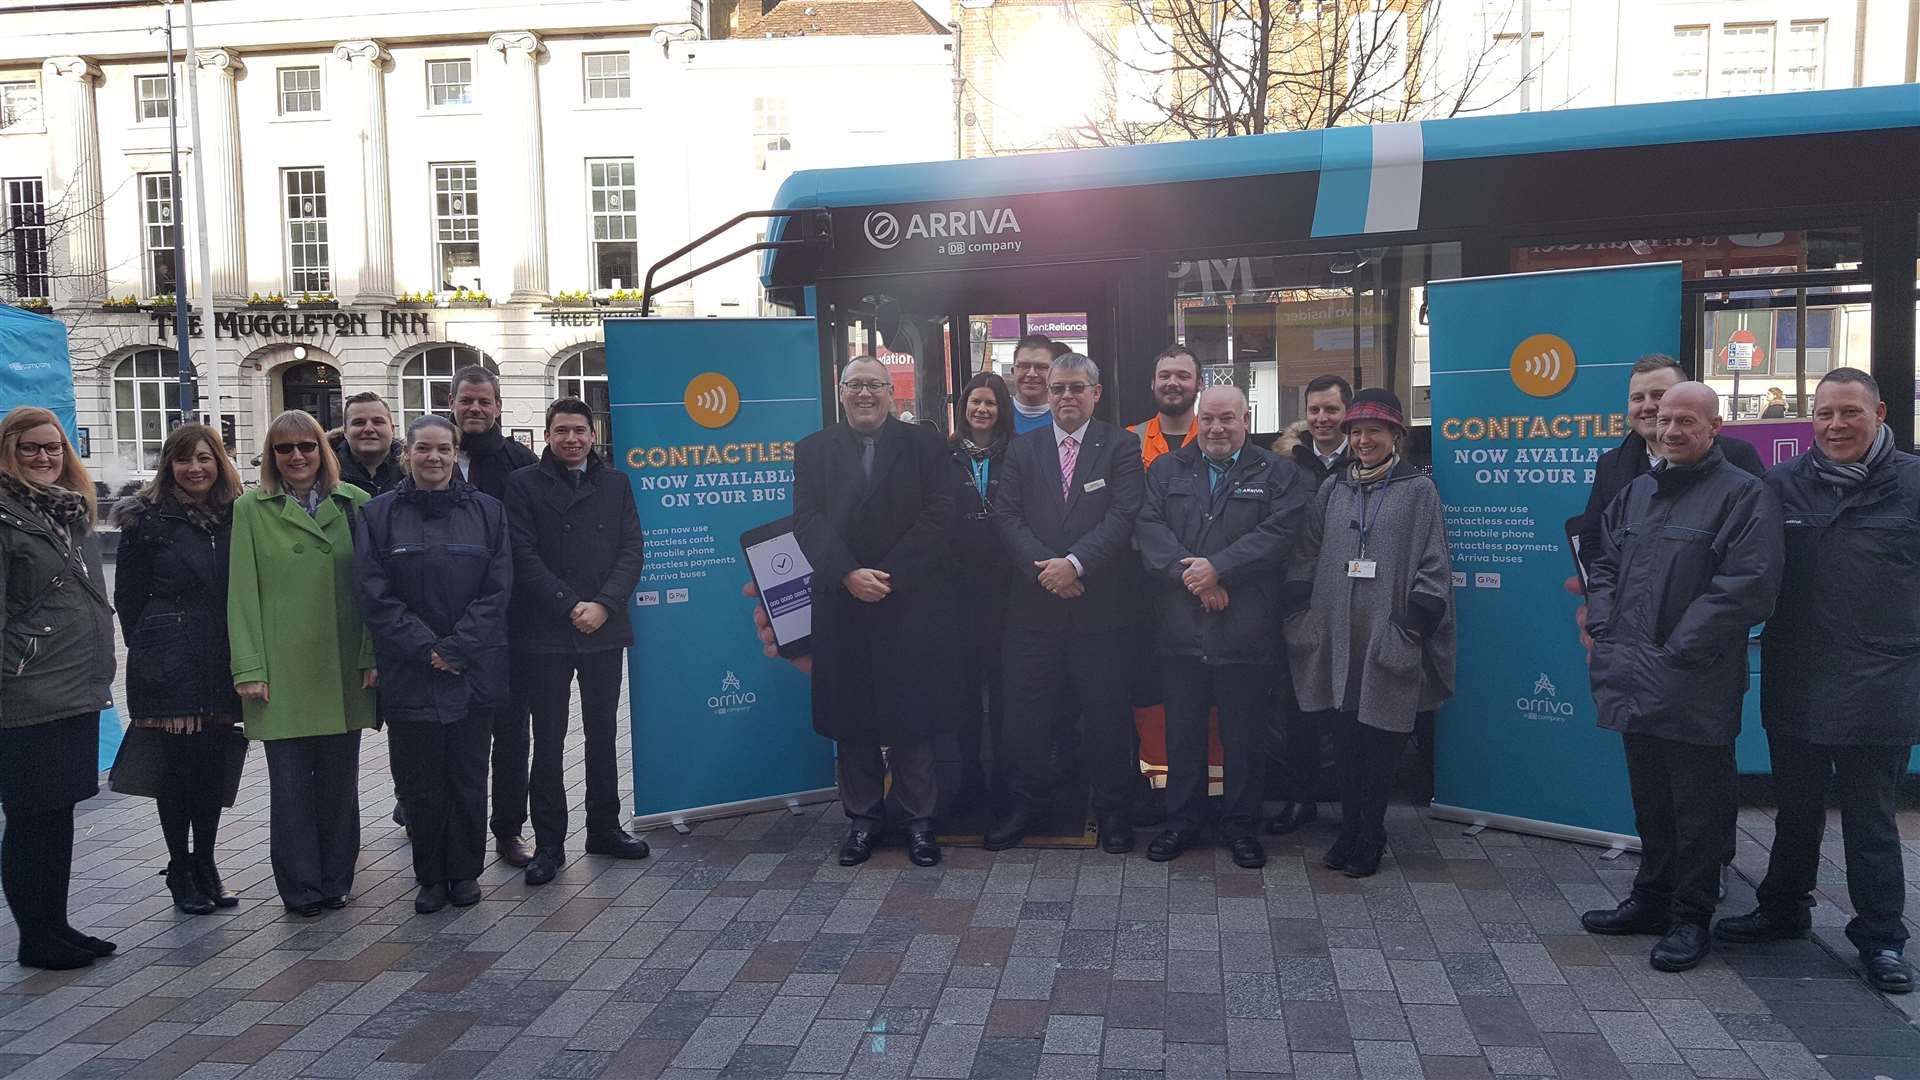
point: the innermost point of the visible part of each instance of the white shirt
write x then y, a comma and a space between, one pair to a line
1079, 442
1326, 460
466, 460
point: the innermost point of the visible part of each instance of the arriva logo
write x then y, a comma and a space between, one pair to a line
1542, 365
884, 232
1545, 704
712, 400
731, 698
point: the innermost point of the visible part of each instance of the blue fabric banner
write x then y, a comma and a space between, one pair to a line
1529, 380
705, 415
35, 368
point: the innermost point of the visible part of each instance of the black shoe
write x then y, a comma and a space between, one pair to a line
1682, 949
857, 847
94, 945
207, 876
1633, 916
513, 850
617, 844
399, 814
463, 893
1116, 834
53, 954
305, 911
333, 903
431, 899
1292, 816
1337, 855
922, 848
187, 897
1168, 845
1247, 853
1888, 971
1365, 860
1757, 925
1009, 831
546, 863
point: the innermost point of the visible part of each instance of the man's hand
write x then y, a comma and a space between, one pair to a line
1572, 585
764, 629
1199, 575
440, 664
1072, 590
588, 616
1057, 574
1213, 599
252, 691
370, 678
871, 586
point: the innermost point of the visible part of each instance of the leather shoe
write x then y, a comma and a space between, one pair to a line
305, 911
1337, 855
1168, 845
54, 955
1888, 971
1633, 916
333, 903
857, 847
1008, 831
1365, 860
1757, 925
431, 899
922, 849
1247, 853
514, 850
1682, 949
94, 945
1292, 816
463, 893
546, 863
1116, 834
618, 844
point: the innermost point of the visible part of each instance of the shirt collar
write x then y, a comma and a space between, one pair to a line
1232, 460
1327, 459
1079, 437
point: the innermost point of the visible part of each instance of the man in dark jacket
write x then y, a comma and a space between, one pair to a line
1219, 520
368, 451
873, 508
1324, 450
1067, 506
577, 551
1690, 560
1840, 674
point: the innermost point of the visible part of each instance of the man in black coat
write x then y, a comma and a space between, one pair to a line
1219, 520
1840, 674
1067, 507
873, 510
577, 551
370, 455
1690, 561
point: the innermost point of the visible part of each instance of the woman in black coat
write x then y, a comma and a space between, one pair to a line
436, 571
985, 574
170, 589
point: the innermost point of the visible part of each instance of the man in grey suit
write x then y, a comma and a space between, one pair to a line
1068, 498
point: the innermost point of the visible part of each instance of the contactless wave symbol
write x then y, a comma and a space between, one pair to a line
712, 400
1542, 365
882, 229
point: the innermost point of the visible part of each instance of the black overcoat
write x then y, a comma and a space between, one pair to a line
985, 568
170, 590
572, 543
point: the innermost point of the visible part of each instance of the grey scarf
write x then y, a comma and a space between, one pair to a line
1852, 475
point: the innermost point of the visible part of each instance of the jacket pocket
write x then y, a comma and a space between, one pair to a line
159, 648
1396, 654
27, 643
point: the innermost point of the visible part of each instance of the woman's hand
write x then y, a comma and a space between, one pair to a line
252, 691
369, 678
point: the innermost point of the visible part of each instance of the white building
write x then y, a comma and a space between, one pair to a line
365, 152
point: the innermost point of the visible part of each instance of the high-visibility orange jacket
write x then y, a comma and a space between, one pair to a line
1153, 443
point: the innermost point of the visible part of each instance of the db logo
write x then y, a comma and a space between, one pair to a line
712, 400
883, 230
1542, 365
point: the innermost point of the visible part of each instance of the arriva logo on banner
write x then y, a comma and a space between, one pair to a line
1542, 365
732, 698
712, 400
1545, 704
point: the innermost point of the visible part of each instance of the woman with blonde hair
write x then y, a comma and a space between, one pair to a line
56, 673
302, 660
170, 591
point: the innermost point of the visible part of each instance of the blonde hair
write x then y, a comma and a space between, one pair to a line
181, 443
292, 425
73, 475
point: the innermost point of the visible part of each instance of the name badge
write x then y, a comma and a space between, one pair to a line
1362, 568
1095, 485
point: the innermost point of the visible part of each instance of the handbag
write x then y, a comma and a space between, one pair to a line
140, 766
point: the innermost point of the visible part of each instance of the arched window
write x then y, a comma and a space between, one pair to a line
584, 375
146, 404
426, 379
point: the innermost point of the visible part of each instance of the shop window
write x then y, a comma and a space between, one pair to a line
426, 379
583, 375
146, 405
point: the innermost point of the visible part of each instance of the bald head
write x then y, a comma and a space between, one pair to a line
1689, 422
1222, 417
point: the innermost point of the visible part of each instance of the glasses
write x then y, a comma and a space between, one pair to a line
50, 450
865, 386
1068, 389
285, 449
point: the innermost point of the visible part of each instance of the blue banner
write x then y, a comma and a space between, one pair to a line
1529, 382
705, 416
34, 365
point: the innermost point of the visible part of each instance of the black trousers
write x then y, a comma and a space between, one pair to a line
861, 771
512, 741
1685, 797
1242, 694
980, 674
314, 821
1869, 782
549, 687
1369, 759
1039, 667
440, 773
193, 784
1300, 747
36, 865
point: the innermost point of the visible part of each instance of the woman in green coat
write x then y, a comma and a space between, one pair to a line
302, 660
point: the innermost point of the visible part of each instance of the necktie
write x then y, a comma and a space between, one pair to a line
866, 455
1069, 454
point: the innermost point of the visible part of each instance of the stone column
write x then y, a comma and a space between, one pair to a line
526, 182
75, 206
226, 209
370, 60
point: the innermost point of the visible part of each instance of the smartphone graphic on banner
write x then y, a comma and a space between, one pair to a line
785, 580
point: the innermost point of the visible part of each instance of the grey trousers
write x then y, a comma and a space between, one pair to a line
315, 815
861, 771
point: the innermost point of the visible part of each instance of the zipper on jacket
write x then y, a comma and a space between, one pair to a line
33, 649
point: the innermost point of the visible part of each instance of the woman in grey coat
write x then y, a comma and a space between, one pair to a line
1370, 634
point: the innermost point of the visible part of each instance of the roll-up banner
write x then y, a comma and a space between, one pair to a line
1529, 382
705, 416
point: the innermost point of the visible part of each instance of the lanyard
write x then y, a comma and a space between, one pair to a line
980, 479
1370, 511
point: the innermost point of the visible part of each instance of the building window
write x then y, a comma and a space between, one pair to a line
23, 239
584, 375
1806, 56
156, 233
1689, 71
770, 131
616, 224
19, 105
1378, 59
1508, 73
146, 404
449, 83
150, 98
456, 225
426, 379
299, 90
1746, 60
305, 191
609, 77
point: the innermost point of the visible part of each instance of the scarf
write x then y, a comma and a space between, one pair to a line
1850, 476
484, 445
205, 516
314, 497
1364, 476
60, 507
980, 460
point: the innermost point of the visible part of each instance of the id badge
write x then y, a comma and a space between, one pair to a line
1362, 568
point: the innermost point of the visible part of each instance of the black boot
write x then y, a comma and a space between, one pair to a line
207, 876
188, 896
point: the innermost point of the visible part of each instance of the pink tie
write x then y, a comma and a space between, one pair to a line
1069, 453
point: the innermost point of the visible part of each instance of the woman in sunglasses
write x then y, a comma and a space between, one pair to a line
302, 660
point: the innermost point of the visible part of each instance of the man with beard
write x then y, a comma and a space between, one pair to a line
369, 454
1176, 382
1032, 359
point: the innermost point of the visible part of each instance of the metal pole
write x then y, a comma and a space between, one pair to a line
182, 323
208, 349
1526, 55
959, 93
